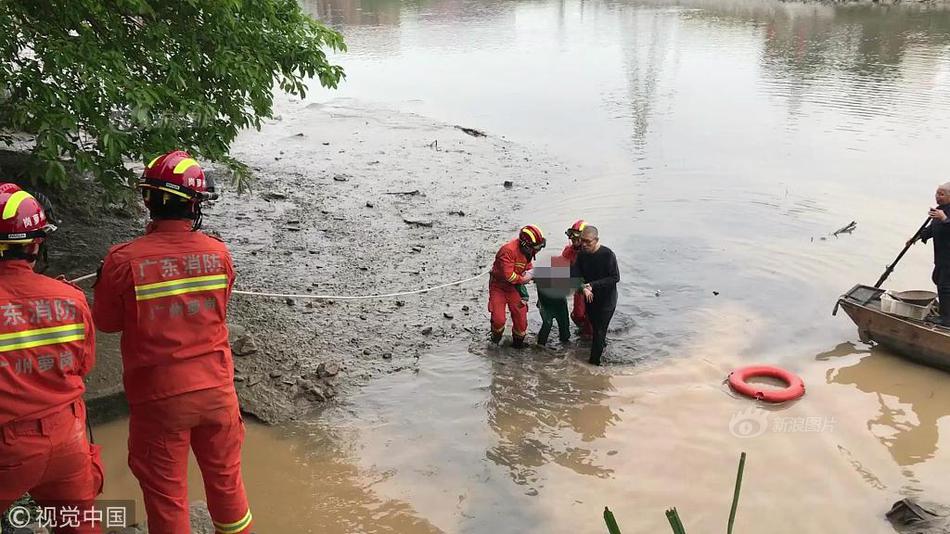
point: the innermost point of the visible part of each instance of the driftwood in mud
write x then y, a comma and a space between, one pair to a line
426, 224
846, 229
412, 193
472, 131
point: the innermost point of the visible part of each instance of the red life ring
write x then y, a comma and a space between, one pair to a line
738, 380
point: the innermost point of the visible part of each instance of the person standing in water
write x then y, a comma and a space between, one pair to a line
509, 274
570, 252
596, 266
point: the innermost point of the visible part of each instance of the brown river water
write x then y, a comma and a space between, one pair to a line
717, 145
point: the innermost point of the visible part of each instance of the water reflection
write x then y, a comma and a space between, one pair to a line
646, 50
912, 400
355, 12
546, 408
299, 479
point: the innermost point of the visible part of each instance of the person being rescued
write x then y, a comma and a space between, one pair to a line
506, 285
554, 285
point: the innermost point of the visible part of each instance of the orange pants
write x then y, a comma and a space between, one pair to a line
160, 434
52, 460
579, 314
500, 297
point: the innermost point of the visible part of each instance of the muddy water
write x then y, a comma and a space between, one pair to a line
717, 145
480, 441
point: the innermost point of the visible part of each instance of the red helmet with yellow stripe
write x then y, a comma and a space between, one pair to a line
576, 228
177, 173
531, 237
22, 218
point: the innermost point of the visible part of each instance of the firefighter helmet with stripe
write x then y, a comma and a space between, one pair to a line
177, 173
576, 228
531, 237
22, 217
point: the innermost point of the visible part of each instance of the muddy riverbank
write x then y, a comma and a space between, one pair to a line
354, 201
349, 201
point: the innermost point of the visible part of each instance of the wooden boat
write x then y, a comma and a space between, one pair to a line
916, 340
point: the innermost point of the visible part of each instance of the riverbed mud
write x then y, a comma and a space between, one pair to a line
348, 201
355, 201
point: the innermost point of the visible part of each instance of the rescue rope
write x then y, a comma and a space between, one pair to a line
331, 297
81, 278
357, 297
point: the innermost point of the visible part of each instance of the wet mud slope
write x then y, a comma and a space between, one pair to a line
357, 201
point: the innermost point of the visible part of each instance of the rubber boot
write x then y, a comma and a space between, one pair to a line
496, 337
517, 342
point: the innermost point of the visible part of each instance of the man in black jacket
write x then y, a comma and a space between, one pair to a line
597, 266
939, 230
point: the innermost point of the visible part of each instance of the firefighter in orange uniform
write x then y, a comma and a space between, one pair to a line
167, 292
510, 272
570, 252
47, 346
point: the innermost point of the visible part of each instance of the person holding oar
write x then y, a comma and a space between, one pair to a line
937, 227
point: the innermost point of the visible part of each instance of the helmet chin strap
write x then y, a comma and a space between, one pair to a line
198, 217
44, 253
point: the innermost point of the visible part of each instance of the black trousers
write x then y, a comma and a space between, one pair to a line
941, 278
600, 317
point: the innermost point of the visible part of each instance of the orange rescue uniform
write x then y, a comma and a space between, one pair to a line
47, 346
579, 312
167, 292
506, 274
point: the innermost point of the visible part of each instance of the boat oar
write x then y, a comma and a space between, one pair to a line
890, 268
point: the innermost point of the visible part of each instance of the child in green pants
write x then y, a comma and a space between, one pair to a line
554, 286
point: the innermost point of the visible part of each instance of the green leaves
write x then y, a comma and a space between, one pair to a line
102, 83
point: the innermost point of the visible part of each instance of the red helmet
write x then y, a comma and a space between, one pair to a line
178, 174
530, 237
576, 228
22, 218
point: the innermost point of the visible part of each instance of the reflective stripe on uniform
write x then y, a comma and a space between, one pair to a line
232, 528
13, 204
42, 337
181, 286
513, 277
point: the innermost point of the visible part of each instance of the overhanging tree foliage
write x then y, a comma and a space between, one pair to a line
100, 82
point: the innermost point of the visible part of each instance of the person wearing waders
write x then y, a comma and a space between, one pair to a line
597, 268
168, 292
47, 346
939, 231
554, 285
570, 252
506, 284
